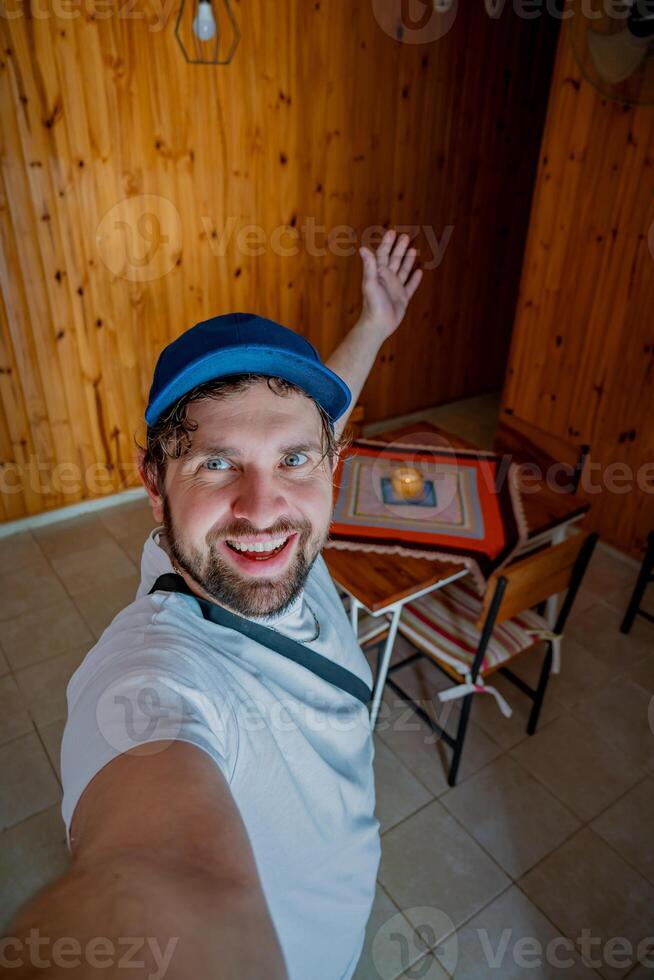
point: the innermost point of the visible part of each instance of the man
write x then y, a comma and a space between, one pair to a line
218, 795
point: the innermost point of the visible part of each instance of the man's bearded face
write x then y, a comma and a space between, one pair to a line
253, 476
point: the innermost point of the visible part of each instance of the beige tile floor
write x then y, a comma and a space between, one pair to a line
545, 839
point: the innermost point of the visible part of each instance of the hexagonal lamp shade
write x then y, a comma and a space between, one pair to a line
207, 32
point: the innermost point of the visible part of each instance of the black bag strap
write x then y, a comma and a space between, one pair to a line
299, 654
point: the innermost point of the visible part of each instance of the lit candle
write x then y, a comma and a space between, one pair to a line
408, 482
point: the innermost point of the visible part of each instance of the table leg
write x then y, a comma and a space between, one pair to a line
380, 680
552, 609
355, 605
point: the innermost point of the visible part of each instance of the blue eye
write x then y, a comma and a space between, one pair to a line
215, 459
295, 455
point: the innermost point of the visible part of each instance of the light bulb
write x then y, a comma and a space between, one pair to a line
204, 23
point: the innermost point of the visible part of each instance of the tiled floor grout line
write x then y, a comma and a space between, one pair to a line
36, 731
494, 859
505, 752
525, 734
399, 823
36, 813
534, 902
462, 780
559, 931
47, 755
39, 663
469, 919
544, 785
644, 775
515, 881
621, 856
412, 927
512, 881
460, 926
609, 844
636, 966
428, 952
605, 741
466, 832
45, 605
137, 568
15, 738
584, 826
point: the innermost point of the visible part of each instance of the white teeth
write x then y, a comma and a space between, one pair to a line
259, 546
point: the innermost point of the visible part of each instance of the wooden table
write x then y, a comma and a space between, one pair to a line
383, 584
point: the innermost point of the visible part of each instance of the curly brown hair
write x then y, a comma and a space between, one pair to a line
170, 437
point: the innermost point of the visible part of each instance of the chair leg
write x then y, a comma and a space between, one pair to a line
642, 581
460, 736
540, 690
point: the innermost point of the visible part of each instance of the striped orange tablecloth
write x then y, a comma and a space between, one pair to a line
469, 511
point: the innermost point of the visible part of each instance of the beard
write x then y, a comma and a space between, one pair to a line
244, 595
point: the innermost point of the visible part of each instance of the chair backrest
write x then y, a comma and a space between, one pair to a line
526, 443
529, 581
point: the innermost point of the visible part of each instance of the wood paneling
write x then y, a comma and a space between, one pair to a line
582, 356
128, 179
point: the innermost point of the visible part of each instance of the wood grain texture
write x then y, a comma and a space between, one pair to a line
534, 579
582, 357
132, 185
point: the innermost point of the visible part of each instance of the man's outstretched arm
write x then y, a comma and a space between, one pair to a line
159, 854
388, 285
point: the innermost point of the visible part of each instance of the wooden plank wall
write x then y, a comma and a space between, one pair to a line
129, 178
582, 357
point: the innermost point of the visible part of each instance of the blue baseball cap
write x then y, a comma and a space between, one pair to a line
242, 343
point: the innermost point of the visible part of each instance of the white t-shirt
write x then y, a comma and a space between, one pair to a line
296, 751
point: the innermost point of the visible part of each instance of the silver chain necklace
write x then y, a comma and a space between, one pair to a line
315, 623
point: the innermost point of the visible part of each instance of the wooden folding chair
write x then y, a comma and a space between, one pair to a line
645, 577
469, 638
560, 461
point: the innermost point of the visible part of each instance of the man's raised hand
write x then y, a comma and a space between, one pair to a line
388, 282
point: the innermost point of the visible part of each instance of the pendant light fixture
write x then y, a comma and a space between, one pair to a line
207, 32
204, 22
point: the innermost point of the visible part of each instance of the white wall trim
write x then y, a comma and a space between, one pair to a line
74, 510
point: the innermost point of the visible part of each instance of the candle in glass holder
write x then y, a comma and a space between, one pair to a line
408, 482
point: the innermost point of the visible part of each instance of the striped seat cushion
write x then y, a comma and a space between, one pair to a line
442, 624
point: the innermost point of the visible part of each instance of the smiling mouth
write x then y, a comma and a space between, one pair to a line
261, 551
